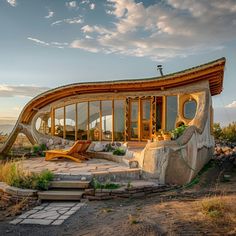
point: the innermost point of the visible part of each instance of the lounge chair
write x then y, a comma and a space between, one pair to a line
75, 153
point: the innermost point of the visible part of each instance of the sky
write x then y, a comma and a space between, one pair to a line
49, 43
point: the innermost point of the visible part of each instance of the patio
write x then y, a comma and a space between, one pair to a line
69, 170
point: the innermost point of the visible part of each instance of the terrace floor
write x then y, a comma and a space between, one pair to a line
92, 168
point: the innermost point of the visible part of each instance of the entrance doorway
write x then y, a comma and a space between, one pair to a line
140, 119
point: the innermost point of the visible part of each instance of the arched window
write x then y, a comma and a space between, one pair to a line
190, 108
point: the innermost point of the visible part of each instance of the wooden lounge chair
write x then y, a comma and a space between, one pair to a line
75, 153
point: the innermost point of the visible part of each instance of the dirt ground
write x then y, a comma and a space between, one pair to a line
174, 213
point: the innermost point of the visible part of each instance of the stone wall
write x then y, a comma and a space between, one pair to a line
12, 195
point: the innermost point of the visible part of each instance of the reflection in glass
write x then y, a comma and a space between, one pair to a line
70, 121
171, 112
190, 109
59, 122
119, 120
94, 120
146, 114
106, 120
134, 120
82, 113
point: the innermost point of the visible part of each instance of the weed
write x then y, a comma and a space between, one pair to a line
107, 185
133, 219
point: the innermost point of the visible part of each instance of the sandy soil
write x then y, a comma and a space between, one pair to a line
175, 213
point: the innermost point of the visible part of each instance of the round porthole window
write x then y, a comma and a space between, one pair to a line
190, 108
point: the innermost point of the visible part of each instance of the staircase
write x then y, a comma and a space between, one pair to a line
64, 190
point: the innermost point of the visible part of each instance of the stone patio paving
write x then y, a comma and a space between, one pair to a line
67, 167
54, 213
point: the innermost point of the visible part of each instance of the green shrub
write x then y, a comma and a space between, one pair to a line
119, 152
227, 133
177, 132
108, 185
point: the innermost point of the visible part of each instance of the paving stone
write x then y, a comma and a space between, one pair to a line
57, 222
37, 221
62, 204
64, 217
16, 221
70, 212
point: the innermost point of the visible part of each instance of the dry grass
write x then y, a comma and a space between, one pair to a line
17, 208
219, 210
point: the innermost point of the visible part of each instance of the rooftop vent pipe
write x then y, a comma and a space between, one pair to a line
159, 68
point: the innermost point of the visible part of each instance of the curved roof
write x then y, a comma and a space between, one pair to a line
212, 71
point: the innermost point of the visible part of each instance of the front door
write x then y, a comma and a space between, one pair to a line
140, 119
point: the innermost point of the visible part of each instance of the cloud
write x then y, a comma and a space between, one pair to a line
50, 14
12, 2
74, 20
71, 4
50, 44
20, 91
38, 41
231, 105
167, 29
92, 6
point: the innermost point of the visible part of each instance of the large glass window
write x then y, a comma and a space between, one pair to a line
106, 120
82, 114
134, 120
119, 120
70, 121
171, 112
94, 120
59, 121
190, 109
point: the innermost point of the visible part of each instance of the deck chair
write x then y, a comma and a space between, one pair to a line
75, 153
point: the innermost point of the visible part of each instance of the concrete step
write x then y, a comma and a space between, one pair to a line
68, 184
60, 195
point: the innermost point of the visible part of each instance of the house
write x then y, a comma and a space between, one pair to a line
136, 110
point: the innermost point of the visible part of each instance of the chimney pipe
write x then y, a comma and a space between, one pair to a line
159, 68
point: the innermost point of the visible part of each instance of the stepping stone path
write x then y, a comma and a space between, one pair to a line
54, 213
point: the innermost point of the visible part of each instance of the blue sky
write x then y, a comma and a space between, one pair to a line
48, 43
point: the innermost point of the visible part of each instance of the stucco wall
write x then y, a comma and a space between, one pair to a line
179, 161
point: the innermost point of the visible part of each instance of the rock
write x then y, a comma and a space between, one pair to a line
98, 147
50, 142
133, 164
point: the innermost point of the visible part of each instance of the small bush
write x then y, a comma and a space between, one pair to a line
213, 207
108, 185
177, 132
119, 152
13, 174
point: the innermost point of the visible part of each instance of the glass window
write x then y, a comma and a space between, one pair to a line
190, 109
70, 121
134, 120
82, 114
43, 124
59, 122
145, 122
171, 112
94, 120
106, 120
119, 120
